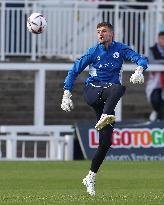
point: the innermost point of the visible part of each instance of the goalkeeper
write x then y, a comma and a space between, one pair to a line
102, 89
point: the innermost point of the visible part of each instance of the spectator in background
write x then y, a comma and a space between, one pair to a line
155, 83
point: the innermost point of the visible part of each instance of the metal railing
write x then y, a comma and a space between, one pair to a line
57, 147
22, 142
72, 26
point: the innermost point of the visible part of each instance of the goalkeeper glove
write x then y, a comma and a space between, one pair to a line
67, 104
137, 76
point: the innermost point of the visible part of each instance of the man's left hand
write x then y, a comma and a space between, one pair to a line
137, 76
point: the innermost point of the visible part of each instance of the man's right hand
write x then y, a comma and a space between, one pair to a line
67, 104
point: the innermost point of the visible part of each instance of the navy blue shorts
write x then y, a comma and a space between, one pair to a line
103, 97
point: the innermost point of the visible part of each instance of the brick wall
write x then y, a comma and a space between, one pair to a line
17, 99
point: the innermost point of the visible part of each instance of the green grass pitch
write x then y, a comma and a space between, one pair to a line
118, 183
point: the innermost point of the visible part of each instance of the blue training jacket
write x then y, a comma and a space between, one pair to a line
104, 65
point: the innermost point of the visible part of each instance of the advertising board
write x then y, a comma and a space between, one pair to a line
130, 141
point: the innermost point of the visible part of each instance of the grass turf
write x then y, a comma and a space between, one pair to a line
118, 183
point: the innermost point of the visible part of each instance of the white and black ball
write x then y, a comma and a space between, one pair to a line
36, 23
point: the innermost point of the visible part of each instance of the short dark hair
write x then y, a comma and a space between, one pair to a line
161, 33
105, 24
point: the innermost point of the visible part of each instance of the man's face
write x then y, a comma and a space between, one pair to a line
161, 41
104, 35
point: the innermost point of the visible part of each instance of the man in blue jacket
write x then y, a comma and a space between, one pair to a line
103, 88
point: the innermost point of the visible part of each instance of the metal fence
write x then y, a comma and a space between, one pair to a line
36, 142
72, 26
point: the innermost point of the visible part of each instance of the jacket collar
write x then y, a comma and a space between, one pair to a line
103, 47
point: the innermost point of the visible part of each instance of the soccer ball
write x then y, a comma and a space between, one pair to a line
36, 23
